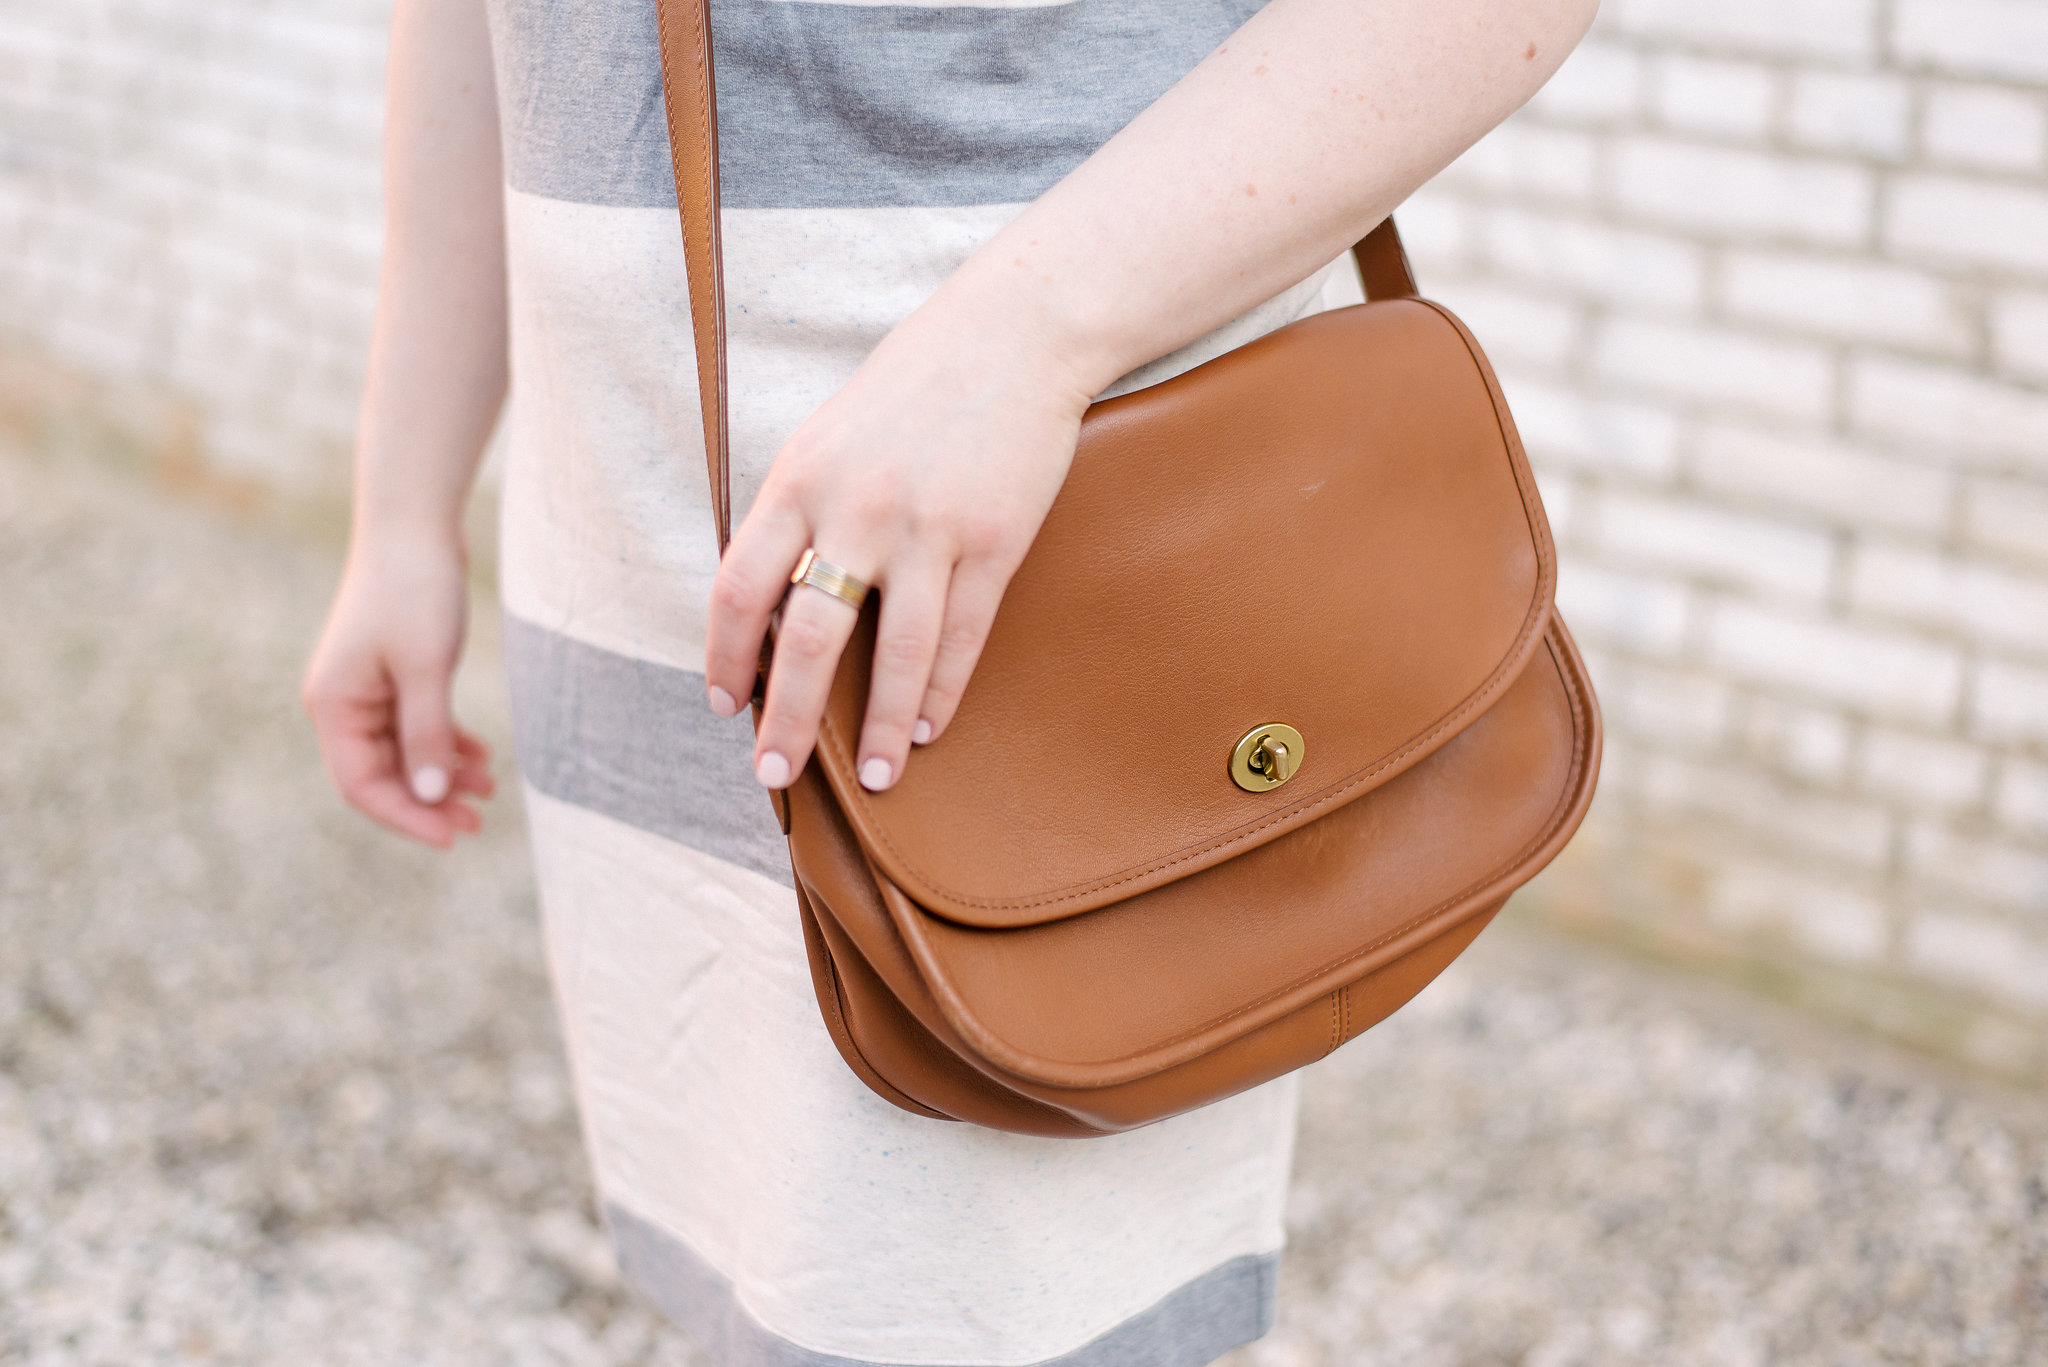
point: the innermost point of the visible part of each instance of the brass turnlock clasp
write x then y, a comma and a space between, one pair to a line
1267, 757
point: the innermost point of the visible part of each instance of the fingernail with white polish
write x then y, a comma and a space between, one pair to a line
874, 774
721, 702
430, 783
921, 733
772, 770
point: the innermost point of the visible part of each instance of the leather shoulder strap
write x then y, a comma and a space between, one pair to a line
1383, 263
684, 28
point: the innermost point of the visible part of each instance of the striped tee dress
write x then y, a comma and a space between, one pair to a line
756, 1192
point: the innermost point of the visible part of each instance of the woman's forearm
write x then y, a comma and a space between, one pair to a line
1313, 122
437, 368
377, 687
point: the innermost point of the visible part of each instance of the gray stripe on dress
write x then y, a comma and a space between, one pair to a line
579, 100
633, 740
842, 106
1227, 1306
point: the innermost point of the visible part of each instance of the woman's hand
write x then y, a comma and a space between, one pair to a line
927, 476
378, 686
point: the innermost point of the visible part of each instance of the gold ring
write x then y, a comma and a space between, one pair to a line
817, 572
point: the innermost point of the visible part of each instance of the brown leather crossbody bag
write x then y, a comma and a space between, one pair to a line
1276, 714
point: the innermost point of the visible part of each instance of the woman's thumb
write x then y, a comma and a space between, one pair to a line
426, 734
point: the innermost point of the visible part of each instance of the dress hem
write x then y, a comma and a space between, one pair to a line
1226, 1307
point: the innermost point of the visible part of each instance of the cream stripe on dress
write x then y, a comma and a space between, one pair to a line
606, 492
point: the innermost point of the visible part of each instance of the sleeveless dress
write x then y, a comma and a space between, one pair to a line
755, 1190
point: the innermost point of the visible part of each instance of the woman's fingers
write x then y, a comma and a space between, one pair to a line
971, 603
359, 740
814, 629
751, 582
377, 692
906, 640
426, 729
930, 636
472, 766
379, 727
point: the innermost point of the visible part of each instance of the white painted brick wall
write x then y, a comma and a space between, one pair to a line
1841, 30
2009, 706
1813, 569
1984, 126
1806, 743
2019, 333
1730, 369
1865, 670
1544, 163
1603, 82
1828, 297
1658, 273
1768, 285
1715, 98
1646, 612
1814, 475
1920, 771
1734, 192
1979, 954
1682, 710
2022, 800
1767, 557
2007, 518
1956, 598
2003, 38
189, 202
1572, 429
1958, 412
1822, 916
1853, 112
1960, 221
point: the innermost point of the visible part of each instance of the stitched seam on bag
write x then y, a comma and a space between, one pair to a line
1539, 611
1581, 755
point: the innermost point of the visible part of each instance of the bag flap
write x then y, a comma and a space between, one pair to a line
1331, 527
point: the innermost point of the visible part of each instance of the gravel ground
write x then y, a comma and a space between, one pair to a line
274, 1089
